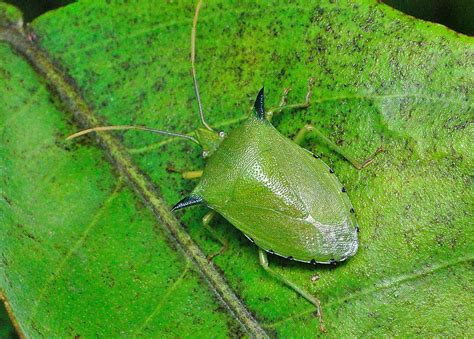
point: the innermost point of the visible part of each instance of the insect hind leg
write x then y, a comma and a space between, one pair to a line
315, 301
304, 131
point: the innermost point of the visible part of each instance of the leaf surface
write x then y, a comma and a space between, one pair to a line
82, 255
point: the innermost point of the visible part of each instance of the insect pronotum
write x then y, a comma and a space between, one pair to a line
296, 209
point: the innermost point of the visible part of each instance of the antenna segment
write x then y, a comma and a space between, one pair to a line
193, 66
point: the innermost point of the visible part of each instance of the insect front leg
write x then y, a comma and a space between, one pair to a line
300, 136
191, 174
283, 104
206, 222
186, 174
264, 262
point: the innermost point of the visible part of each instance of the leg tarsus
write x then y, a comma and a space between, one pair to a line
284, 97
223, 248
262, 255
300, 136
271, 113
309, 94
206, 221
369, 160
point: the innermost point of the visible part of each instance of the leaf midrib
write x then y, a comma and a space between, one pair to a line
141, 185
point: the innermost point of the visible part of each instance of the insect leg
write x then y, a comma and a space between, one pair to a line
284, 97
186, 174
206, 222
191, 174
357, 164
283, 105
264, 262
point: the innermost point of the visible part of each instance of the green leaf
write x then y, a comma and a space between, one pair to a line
82, 255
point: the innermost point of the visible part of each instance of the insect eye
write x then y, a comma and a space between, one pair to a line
222, 134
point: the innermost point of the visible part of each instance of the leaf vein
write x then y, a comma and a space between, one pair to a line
163, 300
141, 184
381, 285
157, 145
60, 268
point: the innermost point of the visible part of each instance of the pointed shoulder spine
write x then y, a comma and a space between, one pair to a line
259, 105
190, 200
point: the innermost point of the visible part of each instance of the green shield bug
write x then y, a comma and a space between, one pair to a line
284, 198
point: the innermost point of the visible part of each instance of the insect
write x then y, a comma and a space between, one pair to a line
284, 198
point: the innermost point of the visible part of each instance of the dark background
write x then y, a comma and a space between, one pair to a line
455, 14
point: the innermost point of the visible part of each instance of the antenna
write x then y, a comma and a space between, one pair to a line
157, 131
122, 127
193, 66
